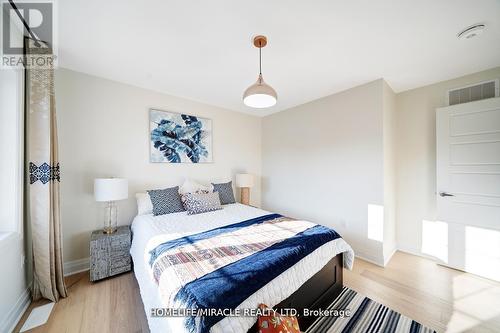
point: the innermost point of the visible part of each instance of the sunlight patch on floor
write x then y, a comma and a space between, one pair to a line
37, 317
476, 302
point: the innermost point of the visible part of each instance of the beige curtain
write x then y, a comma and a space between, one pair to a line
43, 168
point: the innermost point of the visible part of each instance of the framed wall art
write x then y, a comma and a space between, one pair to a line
179, 138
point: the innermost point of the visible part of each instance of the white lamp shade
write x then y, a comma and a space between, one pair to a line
244, 180
110, 189
260, 95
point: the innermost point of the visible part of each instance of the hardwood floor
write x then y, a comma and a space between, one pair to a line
439, 297
111, 305
444, 299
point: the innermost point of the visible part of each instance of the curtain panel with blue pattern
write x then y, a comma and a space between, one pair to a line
43, 178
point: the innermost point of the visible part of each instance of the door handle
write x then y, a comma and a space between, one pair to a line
446, 194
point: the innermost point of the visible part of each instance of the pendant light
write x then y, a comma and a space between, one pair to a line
260, 95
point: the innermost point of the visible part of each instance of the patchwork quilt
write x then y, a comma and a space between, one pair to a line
222, 267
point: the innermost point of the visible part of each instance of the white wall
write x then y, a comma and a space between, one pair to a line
104, 131
9, 147
324, 161
390, 144
14, 291
416, 155
14, 295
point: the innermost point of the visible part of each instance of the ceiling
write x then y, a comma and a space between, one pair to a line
202, 50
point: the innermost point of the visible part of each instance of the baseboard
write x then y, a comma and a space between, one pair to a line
382, 262
370, 259
388, 258
416, 253
423, 255
16, 312
76, 266
409, 249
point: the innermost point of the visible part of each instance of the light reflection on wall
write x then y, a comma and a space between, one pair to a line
482, 252
435, 239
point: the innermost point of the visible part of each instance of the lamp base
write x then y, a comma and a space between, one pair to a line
109, 230
245, 195
110, 218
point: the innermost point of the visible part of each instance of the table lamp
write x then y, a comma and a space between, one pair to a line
245, 181
110, 190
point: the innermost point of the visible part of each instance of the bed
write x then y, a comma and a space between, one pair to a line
310, 282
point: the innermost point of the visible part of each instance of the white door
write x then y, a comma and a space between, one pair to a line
468, 184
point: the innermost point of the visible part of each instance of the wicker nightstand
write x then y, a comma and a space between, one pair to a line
110, 253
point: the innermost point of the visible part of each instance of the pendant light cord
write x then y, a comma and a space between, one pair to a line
260, 57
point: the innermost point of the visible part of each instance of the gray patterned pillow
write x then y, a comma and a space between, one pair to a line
184, 198
166, 201
225, 192
196, 203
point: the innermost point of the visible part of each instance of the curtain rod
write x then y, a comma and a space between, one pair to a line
26, 26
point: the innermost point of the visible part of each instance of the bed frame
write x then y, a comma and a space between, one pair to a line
316, 293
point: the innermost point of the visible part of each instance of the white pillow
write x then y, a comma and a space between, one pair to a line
144, 204
190, 186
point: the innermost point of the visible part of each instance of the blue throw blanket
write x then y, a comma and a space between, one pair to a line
229, 286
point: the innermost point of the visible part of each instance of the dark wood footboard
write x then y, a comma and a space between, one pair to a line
317, 293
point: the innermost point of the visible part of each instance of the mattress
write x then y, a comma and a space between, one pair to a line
148, 231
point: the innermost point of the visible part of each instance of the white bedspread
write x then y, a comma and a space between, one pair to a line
149, 231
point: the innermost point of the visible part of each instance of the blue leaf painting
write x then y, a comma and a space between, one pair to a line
178, 138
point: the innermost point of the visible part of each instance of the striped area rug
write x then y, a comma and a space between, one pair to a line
366, 316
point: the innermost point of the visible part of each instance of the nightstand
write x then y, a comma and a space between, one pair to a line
110, 253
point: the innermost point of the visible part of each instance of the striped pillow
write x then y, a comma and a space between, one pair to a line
197, 203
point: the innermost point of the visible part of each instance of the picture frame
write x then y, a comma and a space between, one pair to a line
179, 138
